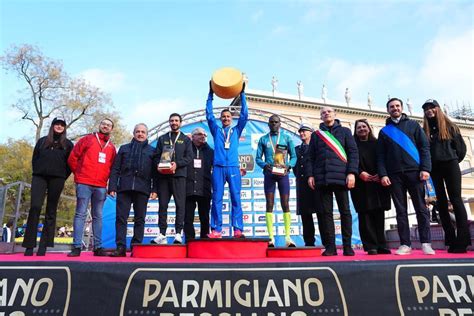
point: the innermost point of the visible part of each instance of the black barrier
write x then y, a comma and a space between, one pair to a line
440, 287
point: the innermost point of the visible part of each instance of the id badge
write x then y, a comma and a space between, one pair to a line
197, 163
226, 145
102, 157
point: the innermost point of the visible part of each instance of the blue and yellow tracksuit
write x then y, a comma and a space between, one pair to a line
226, 165
265, 148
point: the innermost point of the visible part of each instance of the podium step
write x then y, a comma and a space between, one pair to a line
297, 252
158, 251
227, 248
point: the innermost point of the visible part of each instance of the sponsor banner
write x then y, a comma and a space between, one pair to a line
247, 219
260, 218
276, 291
259, 206
435, 289
226, 218
294, 218
246, 206
260, 231
151, 219
294, 230
246, 182
247, 162
257, 182
246, 194
150, 231
258, 194
248, 231
30, 290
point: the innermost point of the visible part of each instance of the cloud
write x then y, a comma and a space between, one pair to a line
280, 30
447, 70
256, 16
154, 112
109, 81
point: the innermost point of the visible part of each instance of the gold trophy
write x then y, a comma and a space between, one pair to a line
279, 166
164, 166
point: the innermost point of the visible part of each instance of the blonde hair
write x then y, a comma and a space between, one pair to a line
447, 129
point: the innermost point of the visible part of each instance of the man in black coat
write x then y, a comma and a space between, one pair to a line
404, 163
334, 164
131, 181
199, 184
172, 180
308, 200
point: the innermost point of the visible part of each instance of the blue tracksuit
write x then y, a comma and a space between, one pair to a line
226, 165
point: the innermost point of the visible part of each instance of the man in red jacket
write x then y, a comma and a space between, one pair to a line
91, 161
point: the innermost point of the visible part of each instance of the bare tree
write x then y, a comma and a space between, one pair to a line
45, 80
50, 92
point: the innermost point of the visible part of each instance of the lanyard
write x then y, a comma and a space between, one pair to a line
271, 142
197, 151
227, 138
100, 144
176, 139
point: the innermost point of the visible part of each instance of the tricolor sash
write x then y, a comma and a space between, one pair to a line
332, 143
402, 140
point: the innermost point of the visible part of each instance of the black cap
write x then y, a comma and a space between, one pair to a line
430, 103
59, 120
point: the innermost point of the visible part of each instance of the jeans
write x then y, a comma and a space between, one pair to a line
96, 196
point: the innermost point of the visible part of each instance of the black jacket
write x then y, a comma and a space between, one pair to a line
447, 150
122, 178
308, 201
51, 161
391, 158
326, 167
182, 154
198, 181
368, 196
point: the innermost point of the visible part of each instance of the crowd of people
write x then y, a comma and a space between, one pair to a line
330, 161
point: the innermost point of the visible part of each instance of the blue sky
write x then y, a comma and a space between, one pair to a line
156, 57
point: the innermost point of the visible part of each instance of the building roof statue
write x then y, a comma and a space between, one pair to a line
324, 93
274, 84
369, 101
300, 86
347, 96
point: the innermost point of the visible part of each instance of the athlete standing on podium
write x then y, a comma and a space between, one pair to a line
226, 164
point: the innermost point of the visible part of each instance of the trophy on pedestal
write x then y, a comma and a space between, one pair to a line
164, 166
279, 166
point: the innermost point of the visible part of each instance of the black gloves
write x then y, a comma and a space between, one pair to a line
243, 87
210, 87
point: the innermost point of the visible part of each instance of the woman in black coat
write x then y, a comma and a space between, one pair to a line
447, 149
370, 198
50, 171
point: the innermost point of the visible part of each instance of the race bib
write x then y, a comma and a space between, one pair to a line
102, 157
197, 163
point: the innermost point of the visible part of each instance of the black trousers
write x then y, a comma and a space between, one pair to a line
401, 183
166, 188
125, 200
309, 231
447, 176
39, 186
342, 199
204, 206
372, 229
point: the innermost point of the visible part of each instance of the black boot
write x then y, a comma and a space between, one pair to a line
75, 252
41, 251
348, 251
119, 252
28, 252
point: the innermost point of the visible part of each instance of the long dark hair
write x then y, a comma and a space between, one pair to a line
50, 141
371, 136
447, 129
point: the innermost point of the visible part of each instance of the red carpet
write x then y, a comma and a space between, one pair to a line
360, 256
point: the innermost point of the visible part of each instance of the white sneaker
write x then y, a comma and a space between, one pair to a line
160, 240
289, 242
427, 250
271, 243
178, 239
403, 250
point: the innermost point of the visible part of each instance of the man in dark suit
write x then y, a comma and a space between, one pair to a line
199, 184
171, 180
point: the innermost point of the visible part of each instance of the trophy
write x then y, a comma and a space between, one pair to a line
164, 166
279, 166
227, 82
